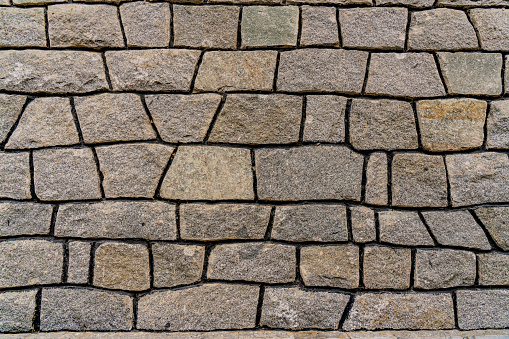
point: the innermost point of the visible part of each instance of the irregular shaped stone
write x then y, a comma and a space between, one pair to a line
152, 70
403, 228
260, 262
132, 170
264, 26
151, 220
372, 311
472, 73
493, 269
201, 308
382, 124
310, 223
332, 266
363, 224
66, 174
408, 75
77, 25
333, 2
206, 26
377, 179
146, 24
322, 70
492, 25
24, 218
309, 173
497, 125
408, 3
478, 178
483, 309
79, 262
258, 119
209, 173
17, 310
456, 228
15, 178
387, 268
224, 71
22, 27
373, 28
451, 124
76, 309
441, 29
183, 118
207, 222
496, 221
319, 26
39, 71
45, 122
30, 262
296, 309
10, 109
325, 118
176, 265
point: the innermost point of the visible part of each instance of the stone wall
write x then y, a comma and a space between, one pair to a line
254, 164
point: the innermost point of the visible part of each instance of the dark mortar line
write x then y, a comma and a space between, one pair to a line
346, 311
476, 281
150, 263
36, 320
417, 126
364, 179
171, 43
347, 120
366, 73
76, 121
177, 221
390, 156
303, 118
299, 27
119, 16
239, 29
377, 227
298, 276
349, 223
32, 176
65, 266
455, 309
485, 230
53, 220
152, 123
135, 311
340, 38
106, 71
270, 225
214, 119
259, 306
208, 248
157, 193
91, 263
28, 100
485, 128
440, 74
423, 220
46, 27
276, 72
195, 73
503, 77
407, 29
361, 266
449, 197
99, 172
478, 36
253, 170
413, 255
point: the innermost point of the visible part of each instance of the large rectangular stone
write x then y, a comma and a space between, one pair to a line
24, 218
22, 27
483, 309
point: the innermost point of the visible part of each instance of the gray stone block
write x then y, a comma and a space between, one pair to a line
493, 27
325, 118
15, 179
176, 265
376, 179
17, 310
319, 26
407, 3
146, 24
496, 221
497, 125
22, 27
387, 268
472, 3
403, 228
79, 262
483, 309
24, 218
493, 269
10, 109
363, 224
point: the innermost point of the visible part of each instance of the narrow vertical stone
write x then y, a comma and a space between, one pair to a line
376, 179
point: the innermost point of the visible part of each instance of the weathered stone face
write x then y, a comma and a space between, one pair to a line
325, 118
24, 218
483, 309
363, 224
409, 3
319, 26
79, 262
497, 125
22, 27
496, 221
387, 268
15, 179
17, 310
377, 179
493, 269
264, 26
403, 228
10, 108
146, 24
493, 27
176, 265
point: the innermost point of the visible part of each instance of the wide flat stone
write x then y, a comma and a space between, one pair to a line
17, 310
363, 224
496, 221
22, 27
319, 26
406, 3
493, 269
79, 262
331, 2
325, 118
146, 24
472, 3
377, 179
15, 179
10, 109
24, 218
492, 24
403, 228
176, 265
386, 267
483, 309
497, 125
34, 2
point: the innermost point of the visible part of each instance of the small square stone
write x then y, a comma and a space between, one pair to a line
387, 268
22, 27
493, 269
493, 27
17, 310
176, 265
146, 24
325, 118
15, 178
481, 309
319, 26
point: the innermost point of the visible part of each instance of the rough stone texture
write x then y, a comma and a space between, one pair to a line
15, 178
441, 29
322, 70
132, 170
319, 26
403, 228
373, 28
483, 309
10, 109
496, 221
35, 2
451, 124
325, 118
22, 27
472, 3
478, 178
206, 222
30, 262
206, 26
224, 71
176, 265
382, 124
66, 174
414, 311
497, 125
363, 224
493, 269
24, 218
151, 220
408, 3
444, 268
258, 119
472, 73
17, 309
202, 308
77, 309
45, 122
332, 2
79, 262
331, 266
309, 173
209, 173
387, 268
296, 309
376, 179
493, 27
39, 71
76, 25
146, 24
404, 75
152, 70
310, 223
456, 228
264, 26
260, 262
419, 180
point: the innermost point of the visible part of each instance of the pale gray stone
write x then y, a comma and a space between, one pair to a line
325, 118
224, 71
24, 218
176, 265
493, 269
79, 262
260, 262
403, 228
151, 220
478, 178
207, 222
15, 178
201, 308
497, 125
132, 170
35, 2
331, 2
78, 309
245, 2
331, 266
310, 223
296, 309
472, 3
22, 27
483, 309
322, 70
387, 268
146, 24
407, 3
258, 119
10, 109
17, 310
319, 26
377, 179
373, 28
363, 224
492, 24
4, 3
496, 221
404, 75
30, 262
309, 173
